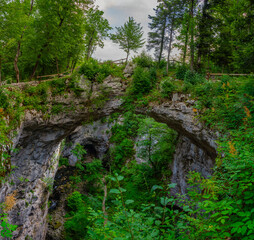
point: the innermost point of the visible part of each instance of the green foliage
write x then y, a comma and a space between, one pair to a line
96, 28
142, 83
63, 162
76, 227
123, 151
181, 71
248, 87
167, 87
153, 76
153, 221
95, 71
129, 36
6, 228
144, 60
162, 64
4, 103
90, 69
93, 175
79, 151
192, 78
45, 38
77, 222
227, 104
75, 201
156, 145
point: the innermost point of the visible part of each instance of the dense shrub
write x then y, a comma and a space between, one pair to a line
75, 201
76, 227
225, 79
153, 75
180, 72
249, 87
144, 60
162, 64
4, 103
167, 87
192, 77
90, 69
141, 81
77, 218
98, 72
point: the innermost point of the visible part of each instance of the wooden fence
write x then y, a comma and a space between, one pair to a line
120, 61
209, 75
59, 75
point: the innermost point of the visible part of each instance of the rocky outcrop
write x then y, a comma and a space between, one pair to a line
39, 139
189, 157
179, 115
38, 142
30, 185
93, 137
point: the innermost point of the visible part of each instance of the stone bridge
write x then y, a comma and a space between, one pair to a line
39, 139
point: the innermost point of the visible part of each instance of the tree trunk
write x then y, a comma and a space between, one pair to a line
162, 40
202, 50
37, 61
192, 35
57, 66
128, 53
104, 202
90, 46
186, 42
170, 40
16, 60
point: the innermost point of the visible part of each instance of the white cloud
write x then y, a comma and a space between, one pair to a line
117, 12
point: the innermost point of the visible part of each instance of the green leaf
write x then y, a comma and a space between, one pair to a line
172, 185
164, 201
155, 187
157, 222
115, 191
122, 189
120, 178
129, 202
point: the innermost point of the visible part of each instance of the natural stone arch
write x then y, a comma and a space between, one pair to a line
39, 141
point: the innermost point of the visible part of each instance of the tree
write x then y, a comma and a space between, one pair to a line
129, 36
156, 144
96, 29
157, 37
26, 22
169, 14
59, 27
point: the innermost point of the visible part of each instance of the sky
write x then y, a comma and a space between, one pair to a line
118, 12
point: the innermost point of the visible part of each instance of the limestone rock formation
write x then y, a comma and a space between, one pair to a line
39, 139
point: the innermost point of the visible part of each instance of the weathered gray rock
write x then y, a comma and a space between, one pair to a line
93, 137
189, 157
38, 141
129, 69
181, 117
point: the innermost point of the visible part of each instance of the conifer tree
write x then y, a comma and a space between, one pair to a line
157, 38
129, 36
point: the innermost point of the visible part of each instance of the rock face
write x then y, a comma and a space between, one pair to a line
93, 137
38, 143
178, 114
39, 140
189, 157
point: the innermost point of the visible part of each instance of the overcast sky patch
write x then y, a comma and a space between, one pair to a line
117, 12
